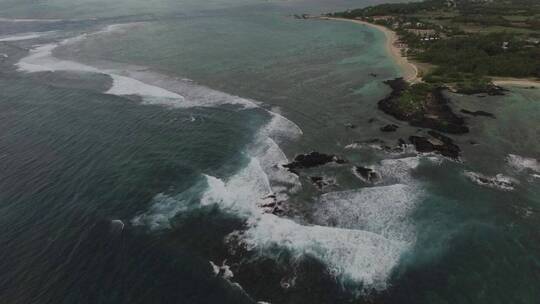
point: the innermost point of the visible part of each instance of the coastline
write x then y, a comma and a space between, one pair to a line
515, 82
410, 70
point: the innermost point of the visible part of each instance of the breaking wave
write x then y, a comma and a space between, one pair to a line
521, 163
359, 235
363, 245
154, 88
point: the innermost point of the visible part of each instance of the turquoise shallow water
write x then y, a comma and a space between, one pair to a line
187, 175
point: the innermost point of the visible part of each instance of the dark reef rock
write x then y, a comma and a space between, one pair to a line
320, 182
432, 112
368, 175
477, 113
437, 143
421, 144
389, 128
271, 205
499, 181
311, 160
379, 144
489, 89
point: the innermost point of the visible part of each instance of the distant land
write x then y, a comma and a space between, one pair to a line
464, 46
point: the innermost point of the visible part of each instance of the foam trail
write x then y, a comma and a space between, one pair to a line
29, 20
24, 36
168, 91
128, 86
162, 210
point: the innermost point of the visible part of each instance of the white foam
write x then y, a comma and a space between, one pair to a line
374, 227
399, 170
162, 209
224, 270
358, 255
383, 210
241, 194
498, 181
40, 59
128, 86
168, 91
361, 255
521, 163
24, 36
280, 127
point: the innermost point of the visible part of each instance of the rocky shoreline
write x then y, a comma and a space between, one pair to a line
432, 111
311, 160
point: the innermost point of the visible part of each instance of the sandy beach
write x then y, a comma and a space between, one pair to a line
518, 82
409, 70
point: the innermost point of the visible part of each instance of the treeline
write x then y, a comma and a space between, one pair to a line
393, 9
493, 55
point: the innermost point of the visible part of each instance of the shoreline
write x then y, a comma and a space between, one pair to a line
409, 70
515, 82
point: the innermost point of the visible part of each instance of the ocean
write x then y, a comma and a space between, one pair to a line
142, 146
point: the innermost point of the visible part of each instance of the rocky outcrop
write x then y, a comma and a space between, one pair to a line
499, 181
429, 109
311, 160
477, 113
437, 143
489, 89
389, 128
320, 182
367, 175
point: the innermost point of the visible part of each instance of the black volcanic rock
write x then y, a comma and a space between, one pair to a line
366, 174
321, 182
432, 111
477, 113
438, 143
310, 160
318, 181
389, 128
421, 144
490, 89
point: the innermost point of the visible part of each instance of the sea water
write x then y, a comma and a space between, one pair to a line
140, 141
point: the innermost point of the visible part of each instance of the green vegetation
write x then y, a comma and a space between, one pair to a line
498, 54
466, 40
413, 99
